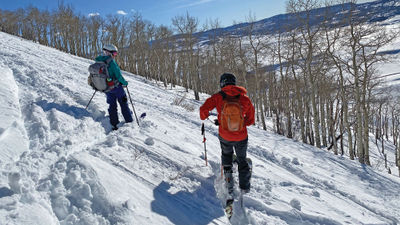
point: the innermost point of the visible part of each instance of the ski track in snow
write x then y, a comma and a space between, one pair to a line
66, 166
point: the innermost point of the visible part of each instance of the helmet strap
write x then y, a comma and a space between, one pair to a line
106, 52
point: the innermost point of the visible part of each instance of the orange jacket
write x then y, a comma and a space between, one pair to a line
216, 101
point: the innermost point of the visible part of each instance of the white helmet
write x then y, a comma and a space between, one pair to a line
110, 48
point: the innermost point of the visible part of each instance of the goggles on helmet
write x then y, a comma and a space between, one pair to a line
113, 53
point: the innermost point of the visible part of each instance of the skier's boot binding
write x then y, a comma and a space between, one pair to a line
228, 173
244, 191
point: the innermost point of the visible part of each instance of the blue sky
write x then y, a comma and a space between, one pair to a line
162, 11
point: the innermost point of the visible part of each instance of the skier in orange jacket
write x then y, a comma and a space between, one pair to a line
232, 137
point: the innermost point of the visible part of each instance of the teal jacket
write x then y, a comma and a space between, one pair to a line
113, 69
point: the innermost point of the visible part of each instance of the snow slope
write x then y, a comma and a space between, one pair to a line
61, 164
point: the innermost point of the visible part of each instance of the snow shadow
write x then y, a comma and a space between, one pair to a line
4, 192
183, 208
76, 112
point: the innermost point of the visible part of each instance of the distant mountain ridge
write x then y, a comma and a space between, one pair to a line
380, 10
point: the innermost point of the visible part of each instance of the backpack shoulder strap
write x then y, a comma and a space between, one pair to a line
108, 60
223, 94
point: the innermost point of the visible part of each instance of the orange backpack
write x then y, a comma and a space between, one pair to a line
231, 113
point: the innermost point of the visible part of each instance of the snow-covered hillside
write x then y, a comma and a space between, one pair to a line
61, 164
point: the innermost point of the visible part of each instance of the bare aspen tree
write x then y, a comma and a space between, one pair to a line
312, 65
274, 88
165, 61
122, 42
333, 38
94, 29
221, 55
257, 45
363, 41
292, 60
285, 100
323, 114
38, 23
32, 18
27, 25
62, 29
216, 61
243, 62
15, 23
398, 158
151, 57
187, 27
113, 24
53, 32
394, 106
137, 42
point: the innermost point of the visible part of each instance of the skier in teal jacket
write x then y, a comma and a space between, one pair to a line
113, 69
117, 93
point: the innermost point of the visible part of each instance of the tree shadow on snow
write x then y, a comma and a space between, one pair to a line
184, 208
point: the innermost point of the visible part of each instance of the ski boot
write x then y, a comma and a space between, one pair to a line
229, 183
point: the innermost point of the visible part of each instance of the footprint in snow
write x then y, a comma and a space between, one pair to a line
149, 141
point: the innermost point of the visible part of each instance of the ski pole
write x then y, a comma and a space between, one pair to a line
90, 99
216, 123
204, 141
130, 98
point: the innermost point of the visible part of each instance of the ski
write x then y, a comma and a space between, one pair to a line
121, 124
230, 200
229, 208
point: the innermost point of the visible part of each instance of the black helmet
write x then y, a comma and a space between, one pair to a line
227, 79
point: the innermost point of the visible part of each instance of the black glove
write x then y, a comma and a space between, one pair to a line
216, 122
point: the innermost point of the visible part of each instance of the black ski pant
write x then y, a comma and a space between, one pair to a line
240, 148
115, 94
